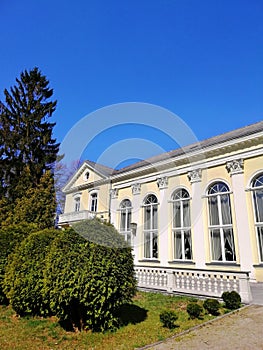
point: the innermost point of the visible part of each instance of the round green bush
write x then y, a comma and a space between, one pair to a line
10, 237
212, 306
231, 299
23, 281
194, 310
86, 282
168, 318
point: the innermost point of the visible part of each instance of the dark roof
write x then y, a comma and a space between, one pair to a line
103, 169
231, 135
222, 138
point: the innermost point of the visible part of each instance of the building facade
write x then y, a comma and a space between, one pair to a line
194, 216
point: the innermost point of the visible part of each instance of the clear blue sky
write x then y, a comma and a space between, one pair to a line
200, 59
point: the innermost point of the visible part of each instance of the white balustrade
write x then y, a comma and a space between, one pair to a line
194, 282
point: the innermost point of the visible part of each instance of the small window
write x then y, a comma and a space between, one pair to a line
94, 202
77, 204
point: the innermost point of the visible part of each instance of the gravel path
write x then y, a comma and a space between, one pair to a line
241, 330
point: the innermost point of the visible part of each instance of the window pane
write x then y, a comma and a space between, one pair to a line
186, 213
258, 203
177, 214
129, 220
155, 217
229, 245
260, 242
258, 181
178, 245
213, 210
147, 245
216, 245
225, 208
188, 245
155, 245
123, 218
147, 218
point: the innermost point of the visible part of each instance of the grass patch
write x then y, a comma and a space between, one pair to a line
140, 326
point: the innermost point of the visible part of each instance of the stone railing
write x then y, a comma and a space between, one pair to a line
76, 216
208, 283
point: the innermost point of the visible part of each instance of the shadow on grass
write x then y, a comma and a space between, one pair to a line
126, 314
130, 313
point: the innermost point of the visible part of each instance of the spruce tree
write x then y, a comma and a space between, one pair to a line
26, 135
27, 145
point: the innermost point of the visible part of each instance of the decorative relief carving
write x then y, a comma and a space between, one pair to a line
195, 175
136, 188
235, 166
114, 193
162, 182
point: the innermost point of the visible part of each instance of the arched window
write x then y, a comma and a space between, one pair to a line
150, 227
94, 202
220, 223
181, 225
125, 219
257, 188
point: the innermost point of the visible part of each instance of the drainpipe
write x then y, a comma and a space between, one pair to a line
110, 194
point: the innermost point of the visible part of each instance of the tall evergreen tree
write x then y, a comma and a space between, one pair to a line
27, 148
25, 134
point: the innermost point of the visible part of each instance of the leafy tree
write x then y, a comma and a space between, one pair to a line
26, 142
23, 280
63, 172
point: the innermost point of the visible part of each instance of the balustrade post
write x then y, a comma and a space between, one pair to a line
245, 290
170, 281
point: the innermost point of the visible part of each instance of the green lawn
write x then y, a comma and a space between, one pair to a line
141, 327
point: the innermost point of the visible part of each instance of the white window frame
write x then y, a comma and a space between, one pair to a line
126, 211
77, 204
92, 200
221, 227
182, 230
258, 224
150, 235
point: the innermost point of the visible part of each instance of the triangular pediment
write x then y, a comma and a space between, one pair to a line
89, 173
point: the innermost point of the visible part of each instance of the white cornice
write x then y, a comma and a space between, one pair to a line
184, 169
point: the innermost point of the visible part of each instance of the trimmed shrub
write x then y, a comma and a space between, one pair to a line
23, 281
194, 310
10, 237
86, 282
168, 318
232, 300
212, 306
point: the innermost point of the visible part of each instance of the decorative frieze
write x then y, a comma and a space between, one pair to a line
235, 166
195, 175
136, 188
114, 193
162, 182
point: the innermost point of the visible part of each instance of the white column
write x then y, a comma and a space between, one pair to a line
113, 203
163, 216
198, 232
235, 168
